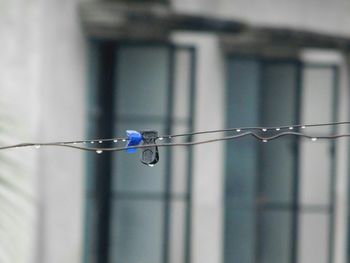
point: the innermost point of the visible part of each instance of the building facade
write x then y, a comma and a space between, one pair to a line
86, 69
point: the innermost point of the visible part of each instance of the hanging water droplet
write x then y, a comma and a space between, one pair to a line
303, 127
264, 129
160, 138
124, 140
314, 139
150, 165
99, 141
115, 140
264, 140
99, 151
277, 129
92, 142
37, 146
291, 128
238, 130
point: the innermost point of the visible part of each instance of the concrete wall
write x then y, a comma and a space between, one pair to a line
42, 87
323, 16
63, 96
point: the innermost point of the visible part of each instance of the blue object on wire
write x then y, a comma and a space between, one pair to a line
134, 139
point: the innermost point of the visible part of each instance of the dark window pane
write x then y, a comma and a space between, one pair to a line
240, 230
142, 81
278, 158
137, 231
243, 104
275, 236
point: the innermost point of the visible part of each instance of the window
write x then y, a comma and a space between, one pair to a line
274, 210
136, 213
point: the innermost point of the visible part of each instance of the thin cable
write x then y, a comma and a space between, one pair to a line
264, 129
233, 137
237, 129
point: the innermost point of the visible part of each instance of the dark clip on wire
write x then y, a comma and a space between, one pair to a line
150, 155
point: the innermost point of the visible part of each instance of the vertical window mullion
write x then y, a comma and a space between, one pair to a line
103, 165
167, 181
331, 240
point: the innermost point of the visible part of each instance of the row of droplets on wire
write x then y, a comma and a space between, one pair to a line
239, 132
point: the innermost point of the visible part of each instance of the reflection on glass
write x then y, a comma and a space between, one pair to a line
275, 237
142, 81
136, 232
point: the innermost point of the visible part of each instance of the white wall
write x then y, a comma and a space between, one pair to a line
208, 177
63, 94
42, 87
19, 119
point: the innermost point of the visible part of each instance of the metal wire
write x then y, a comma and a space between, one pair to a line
275, 128
226, 138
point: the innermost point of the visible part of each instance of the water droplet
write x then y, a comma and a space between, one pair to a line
291, 128
99, 141
99, 151
150, 165
92, 142
314, 139
37, 146
115, 140
303, 127
124, 140
264, 140
238, 130
264, 130
277, 129
75, 143
160, 138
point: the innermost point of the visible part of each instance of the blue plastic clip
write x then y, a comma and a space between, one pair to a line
134, 139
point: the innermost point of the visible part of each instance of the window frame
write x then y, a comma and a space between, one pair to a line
295, 207
97, 78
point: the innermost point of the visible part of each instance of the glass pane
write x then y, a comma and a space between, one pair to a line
241, 170
243, 92
142, 81
177, 231
241, 162
182, 82
278, 171
278, 157
137, 231
275, 238
315, 157
243, 105
240, 234
279, 93
129, 174
90, 246
313, 238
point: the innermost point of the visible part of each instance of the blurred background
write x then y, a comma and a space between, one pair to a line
75, 69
